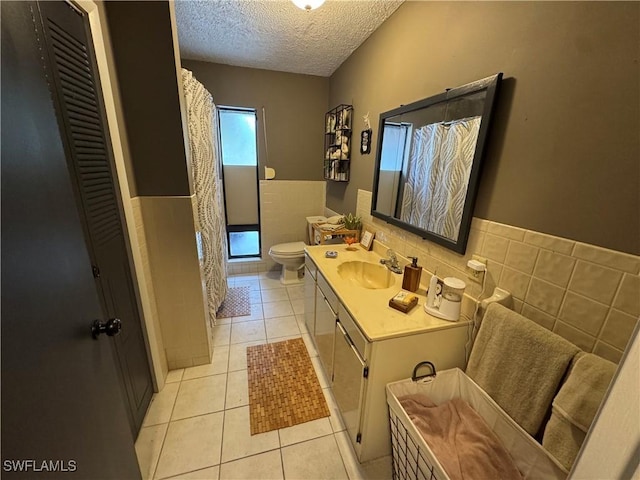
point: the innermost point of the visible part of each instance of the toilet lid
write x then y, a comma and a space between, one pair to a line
289, 249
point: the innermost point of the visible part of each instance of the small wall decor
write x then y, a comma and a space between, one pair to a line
367, 240
365, 142
365, 136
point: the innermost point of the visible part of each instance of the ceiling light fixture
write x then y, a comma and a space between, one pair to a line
307, 5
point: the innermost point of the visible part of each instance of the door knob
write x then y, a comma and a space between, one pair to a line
111, 327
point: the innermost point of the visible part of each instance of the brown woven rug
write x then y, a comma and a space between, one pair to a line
283, 386
236, 304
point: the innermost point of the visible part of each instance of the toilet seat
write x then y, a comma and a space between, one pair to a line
291, 249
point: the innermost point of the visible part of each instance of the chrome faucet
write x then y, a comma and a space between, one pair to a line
391, 262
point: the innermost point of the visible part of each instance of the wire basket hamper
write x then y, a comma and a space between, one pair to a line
412, 459
408, 459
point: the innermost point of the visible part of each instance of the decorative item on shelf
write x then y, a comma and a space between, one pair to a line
367, 240
331, 123
352, 222
345, 119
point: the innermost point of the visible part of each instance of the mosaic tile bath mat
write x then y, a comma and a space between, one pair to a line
283, 387
236, 304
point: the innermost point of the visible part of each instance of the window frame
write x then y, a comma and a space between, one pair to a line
247, 227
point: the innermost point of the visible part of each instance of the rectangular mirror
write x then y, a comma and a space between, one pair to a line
428, 162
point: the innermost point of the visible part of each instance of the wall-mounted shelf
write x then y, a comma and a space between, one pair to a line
337, 143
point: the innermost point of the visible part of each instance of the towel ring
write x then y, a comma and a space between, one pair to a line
415, 377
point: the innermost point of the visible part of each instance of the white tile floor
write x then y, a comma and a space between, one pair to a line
198, 426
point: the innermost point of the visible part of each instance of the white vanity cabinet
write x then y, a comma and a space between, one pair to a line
310, 271
325, 327
361, 354
350, 373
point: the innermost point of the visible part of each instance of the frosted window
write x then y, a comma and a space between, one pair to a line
238, 137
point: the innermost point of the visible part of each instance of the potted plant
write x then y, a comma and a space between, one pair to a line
352, 222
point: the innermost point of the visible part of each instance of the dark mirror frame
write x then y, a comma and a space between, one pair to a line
490, 85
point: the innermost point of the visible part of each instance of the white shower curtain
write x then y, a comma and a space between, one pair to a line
205, 153
439, 167
422, 175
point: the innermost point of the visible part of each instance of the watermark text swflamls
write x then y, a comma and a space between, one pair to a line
31, 465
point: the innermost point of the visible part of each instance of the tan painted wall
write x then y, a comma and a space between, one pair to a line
564, 155
148, 87
295, 106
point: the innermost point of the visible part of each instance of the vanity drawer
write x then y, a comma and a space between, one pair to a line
326, 290
358, 339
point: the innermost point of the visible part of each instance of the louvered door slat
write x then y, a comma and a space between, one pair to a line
91, 160
76, 80
87, 130
81, 106
103, 217
96, 175
99, 202
95, 190
73, 46
75, 66
97, 149
83, 117
71, 92
70, 56
93, 183
87, 145
77, 102
99, 195
85, 137
105, 224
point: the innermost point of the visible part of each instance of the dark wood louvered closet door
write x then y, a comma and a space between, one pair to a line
62, 398
83, 124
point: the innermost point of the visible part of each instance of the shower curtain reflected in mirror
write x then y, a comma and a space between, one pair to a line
440, 163
210, 221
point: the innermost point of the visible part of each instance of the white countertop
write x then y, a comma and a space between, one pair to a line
370, 308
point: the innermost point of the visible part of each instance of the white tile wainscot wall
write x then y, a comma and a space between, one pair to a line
172, 259
148, 285
587, 294
284, 206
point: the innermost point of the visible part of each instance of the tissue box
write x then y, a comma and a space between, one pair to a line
403, 301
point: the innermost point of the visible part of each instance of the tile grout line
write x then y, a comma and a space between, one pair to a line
164, 438
609, 309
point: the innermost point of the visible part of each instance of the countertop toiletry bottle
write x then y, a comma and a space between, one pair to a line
411, 278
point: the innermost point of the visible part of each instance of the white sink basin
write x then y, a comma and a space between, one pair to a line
367, 275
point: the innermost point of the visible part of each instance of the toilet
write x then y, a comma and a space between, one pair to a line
291, 255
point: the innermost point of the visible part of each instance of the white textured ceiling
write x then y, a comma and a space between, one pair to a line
277, 35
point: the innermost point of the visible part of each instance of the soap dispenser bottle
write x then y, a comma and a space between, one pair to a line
411, 278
